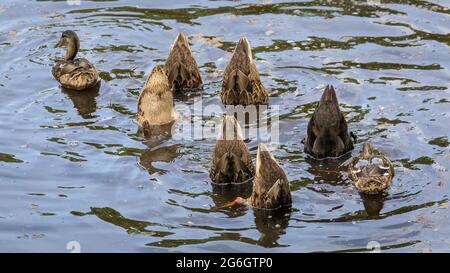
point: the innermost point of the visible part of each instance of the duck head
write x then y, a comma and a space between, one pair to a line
327, 130
69, 39
181, 67
371, 171
271, 187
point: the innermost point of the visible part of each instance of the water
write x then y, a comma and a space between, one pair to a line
73, 168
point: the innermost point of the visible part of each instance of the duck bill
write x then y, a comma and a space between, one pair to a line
60, 43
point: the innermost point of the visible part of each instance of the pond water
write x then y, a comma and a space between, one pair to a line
72, 167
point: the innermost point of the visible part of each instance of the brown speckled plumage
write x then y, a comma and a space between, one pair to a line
271, 187
231, 161
75, 74
327, 133
371, 171
155, 102
181, 67
241, 83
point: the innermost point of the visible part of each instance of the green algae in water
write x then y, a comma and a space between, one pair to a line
9, 158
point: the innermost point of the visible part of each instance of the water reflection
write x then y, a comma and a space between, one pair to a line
165, 154
131, 226
271, 224
329, 170
84, 101
373, 203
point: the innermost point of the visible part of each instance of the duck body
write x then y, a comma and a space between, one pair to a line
181, 67
371, 171
231, 161
155, 102
327, 133
72, 73
241, 83
271, 187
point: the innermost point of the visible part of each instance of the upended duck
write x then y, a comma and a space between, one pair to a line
327, 133
155, 102
241, 83
371, 171
231, 161
71, 73
181, 67
271, 188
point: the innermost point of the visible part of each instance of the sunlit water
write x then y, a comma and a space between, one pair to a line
72, 167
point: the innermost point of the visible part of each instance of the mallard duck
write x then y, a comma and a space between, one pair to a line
155, 102
371, 171
327, 133
75, 74
231, 160
270, 187
181, 66
241, 83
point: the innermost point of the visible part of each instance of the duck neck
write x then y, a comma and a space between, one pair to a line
72, 49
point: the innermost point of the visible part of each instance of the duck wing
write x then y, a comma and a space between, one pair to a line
278, 195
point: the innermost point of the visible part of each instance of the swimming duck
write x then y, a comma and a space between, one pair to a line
241, 83
75, 74
327, 133
371, 171
155, 102
231, 160
181, 66
270, 187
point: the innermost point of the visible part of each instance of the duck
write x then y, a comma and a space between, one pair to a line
181, 67
241, 83
71, 73
327, 132
155, 102
271, 190
231, 161
371, 171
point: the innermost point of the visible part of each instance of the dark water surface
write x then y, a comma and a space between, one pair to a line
73, 169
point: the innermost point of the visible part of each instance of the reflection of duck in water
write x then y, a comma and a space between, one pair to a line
373, 203
371, 171
329, 170
241, 83
181, 67
327, 134
271, 224
163, 154
84, 102
131, 226
155, 103
71, 73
